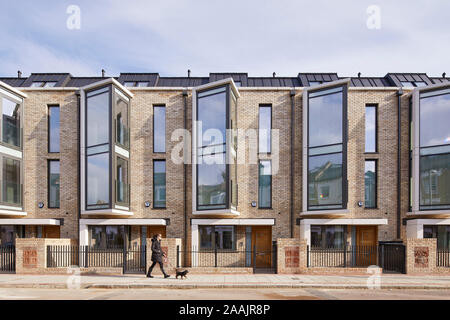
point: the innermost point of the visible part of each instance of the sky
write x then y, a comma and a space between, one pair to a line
257, 37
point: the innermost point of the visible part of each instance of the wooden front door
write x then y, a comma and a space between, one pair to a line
51, 232
152, 230
262, 244
366, 246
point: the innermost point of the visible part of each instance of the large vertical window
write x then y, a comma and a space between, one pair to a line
121, 119
98, 149
11, 183
434, 167
265, 129
159, 183
370, 184
122, 184
371, 128
11, 115
327, 149
53, 129
159, 129
212, 172
53, 183
265, 184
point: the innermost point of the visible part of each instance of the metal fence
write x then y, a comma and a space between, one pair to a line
7, 259
342, 257
443, 257
131, 259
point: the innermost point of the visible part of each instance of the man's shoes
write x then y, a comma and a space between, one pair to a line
149, 276
166, 276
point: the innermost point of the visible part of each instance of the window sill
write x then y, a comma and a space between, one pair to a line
265, 208
325, 212
159, 208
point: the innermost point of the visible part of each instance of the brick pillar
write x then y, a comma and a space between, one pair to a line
291, 255
421, 256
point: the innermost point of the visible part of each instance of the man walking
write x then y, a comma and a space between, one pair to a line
157, 256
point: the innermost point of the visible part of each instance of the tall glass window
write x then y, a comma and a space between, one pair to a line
370, 184
326, 149
53, 183
159, 183
159, 129
265, 184
434, 167
265, 129
371, 128
53, 129
121, 117
122, 185
11, 183
11, 115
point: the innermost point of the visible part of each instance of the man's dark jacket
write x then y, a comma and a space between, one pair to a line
157, 253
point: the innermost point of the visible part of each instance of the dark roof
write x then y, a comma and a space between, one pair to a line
155, 80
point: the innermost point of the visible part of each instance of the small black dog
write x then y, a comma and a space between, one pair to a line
182, 274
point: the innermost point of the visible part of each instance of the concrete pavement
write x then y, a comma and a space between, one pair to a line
198, 281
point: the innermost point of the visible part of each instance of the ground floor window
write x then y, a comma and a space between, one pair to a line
328, 236
8, 234
441, 233
107, 236
217, 237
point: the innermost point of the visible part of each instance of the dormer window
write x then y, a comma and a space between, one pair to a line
43, 84
413, 84
136, 83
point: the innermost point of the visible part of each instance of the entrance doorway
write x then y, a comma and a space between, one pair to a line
262, 246
366, 246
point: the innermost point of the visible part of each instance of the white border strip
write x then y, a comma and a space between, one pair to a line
13, 90
11, 152
41, 222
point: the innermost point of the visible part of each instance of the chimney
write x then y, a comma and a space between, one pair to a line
19, 74
443, 75
359, 74
274, 74
103, 73
189, 73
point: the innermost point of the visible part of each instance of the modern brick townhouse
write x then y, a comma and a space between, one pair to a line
333, 160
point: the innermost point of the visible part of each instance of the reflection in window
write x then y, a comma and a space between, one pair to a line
53, 183
97, 188
434, 167
53, 129
265, 129
122, 181
325, 149
328, 236
11, 181
442, 233
265, 184
121, 111
217, 237
107, 236
159, 183
11, 114
370, 184
159, 129
371, 125
97, 117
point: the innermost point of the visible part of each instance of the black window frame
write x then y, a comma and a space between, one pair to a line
375, 106
49, 161
271, 183
265, 105
153, 185
375, 161
344, 148
49, 107
165, 128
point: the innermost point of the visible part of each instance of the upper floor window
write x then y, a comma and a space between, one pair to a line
265, 184
11, 121
413, 83
53, 129
159, 183
371, 128
326, 149
121, 107
53, 183
434, 167
136, 83
265, 129
11, 181
43, 84
159, 128
370, 184
122, 181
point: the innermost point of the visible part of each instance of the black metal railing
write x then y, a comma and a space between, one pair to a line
131, 259
443, 257
7, 258
342, 257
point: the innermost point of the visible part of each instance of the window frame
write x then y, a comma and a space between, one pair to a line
344, 146
49, 161
13, 98
21, 179
114, 97
271, 183
375, 106
126, 204
375, 161
165, 128
153, 185
213, 239
265, 105
49, 107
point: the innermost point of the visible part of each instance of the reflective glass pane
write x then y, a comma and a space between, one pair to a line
325, 119
325, 180
435, 181
98, 119
265, 129
159, 183
434, 120
328, 149
98, 179
212, 119
11, 181
54, 129
54, 178
371, 124
122, 131
370, 184
265, 184
11, 114
211, 182
159, 130
122, 181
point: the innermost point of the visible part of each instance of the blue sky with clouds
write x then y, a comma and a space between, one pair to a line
258, 37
